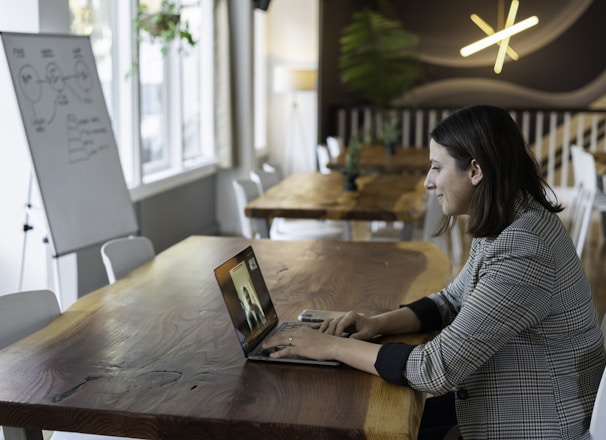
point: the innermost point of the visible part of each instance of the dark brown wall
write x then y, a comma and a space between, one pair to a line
549, 76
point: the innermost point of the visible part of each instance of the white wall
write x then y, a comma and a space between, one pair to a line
241, 35
292, 39
20, 251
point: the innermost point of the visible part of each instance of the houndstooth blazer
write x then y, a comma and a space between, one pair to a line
521, 345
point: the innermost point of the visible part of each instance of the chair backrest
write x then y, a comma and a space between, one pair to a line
122, 255
23, 313
264, 179
577, 172
245, 191
323, 159
334, 145
273, 168
583, 201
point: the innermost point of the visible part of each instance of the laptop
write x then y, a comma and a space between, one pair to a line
251, 309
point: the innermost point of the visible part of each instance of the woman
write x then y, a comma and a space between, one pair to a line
520, 345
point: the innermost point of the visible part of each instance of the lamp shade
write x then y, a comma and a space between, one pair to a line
294, 79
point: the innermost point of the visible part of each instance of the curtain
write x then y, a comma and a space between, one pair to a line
224, 128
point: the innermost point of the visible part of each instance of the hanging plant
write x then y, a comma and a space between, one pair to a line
164, 25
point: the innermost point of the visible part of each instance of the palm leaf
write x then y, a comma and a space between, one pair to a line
377, 60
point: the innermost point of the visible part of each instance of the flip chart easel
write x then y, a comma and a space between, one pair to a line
70, 138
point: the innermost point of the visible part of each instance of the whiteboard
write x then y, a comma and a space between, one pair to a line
70, 137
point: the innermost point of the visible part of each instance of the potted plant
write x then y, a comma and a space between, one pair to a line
378, 62
390, 133
164, 25
352, 163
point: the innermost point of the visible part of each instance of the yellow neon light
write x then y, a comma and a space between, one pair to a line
511, 18
488, 30
499, 36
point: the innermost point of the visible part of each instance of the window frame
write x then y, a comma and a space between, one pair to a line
126, 114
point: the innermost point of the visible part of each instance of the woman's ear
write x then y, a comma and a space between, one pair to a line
475, 172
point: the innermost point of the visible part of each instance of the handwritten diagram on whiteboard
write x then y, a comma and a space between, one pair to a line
70, 138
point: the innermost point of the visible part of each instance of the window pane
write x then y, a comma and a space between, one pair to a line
153, 106
92, 18
170, 127
191, 85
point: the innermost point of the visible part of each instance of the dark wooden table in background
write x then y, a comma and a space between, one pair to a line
387, 197
374, 158
154, 355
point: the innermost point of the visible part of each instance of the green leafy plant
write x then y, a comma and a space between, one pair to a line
390, 132
352, 163
164, 25
377, 59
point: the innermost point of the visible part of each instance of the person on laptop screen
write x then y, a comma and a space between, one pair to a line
254, 314
519, 346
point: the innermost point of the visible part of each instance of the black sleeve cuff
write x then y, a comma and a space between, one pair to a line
391, 362
428, 313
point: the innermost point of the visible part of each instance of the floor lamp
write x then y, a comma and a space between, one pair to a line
294, 80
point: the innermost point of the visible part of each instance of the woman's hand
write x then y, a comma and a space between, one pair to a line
303, 341
353, 324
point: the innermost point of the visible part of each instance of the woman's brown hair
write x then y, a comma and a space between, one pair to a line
490, 136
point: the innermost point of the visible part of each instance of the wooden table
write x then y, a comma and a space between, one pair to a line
387, 197
374, 158
154, 355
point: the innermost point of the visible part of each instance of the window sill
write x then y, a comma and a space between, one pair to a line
162, 182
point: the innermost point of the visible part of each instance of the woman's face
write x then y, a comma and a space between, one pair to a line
453, 186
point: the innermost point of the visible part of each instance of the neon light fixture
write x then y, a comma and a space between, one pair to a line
502, 37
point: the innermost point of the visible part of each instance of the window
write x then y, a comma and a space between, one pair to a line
162, 110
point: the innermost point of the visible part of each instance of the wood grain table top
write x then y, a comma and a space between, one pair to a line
600, 162
155, 356
387, 197
374, 158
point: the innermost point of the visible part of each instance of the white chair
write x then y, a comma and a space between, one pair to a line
247, 190
579, 217
334, 145
323, 158
273, 168
264, 179
566, 195
587, 199
21, 314
122, 255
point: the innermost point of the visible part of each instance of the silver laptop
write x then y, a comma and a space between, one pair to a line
250, 307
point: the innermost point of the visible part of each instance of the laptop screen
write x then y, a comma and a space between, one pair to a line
247, 298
